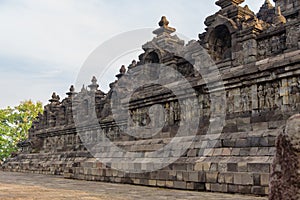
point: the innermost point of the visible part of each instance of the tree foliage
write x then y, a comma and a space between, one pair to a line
14, 125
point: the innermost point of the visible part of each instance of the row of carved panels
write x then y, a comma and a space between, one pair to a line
270, 95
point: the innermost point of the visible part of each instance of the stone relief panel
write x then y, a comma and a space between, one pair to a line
245, 99
294, 92
61, 143
272, 46
171, 115
276, 94
293, 37
249, 51
265, 96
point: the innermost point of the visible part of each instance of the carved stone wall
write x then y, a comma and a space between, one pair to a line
258, 60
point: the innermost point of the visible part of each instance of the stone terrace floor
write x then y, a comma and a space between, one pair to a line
22, 186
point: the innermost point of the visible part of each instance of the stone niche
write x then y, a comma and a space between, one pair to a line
151, 57
220, 43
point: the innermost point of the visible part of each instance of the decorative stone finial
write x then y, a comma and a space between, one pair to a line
268, 4
71, 91
94, 80
122, 72
279, 19
132, 65
94, 86
54, 95
122, 69
163, 22
83, 89
266, 12
226, 3
54, 98
164, 27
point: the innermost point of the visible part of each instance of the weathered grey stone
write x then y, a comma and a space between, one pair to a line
257, 58
285, 175
243, 178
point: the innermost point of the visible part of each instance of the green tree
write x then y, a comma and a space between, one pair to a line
14, 125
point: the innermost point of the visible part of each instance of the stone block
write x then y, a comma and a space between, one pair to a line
226, 151
253, 151
242, 143
256, 179
259, 167
242, 167
193, 176
222, 167
152, 182
192, 153
213, 167
208, 152
233, 188
260, 126
232, 167
169, 184
263, 151
144, 181
242, 178
180, 184
216, 187
208, 186
264, 142
217, 152
225, 178
244, 189
161, 183
136, 181
202, 166
179, 166
258, 190
265, 179
163, 175
190, 186
245, 152
254, 141
235, 151
228, 142
211, 177
179, 176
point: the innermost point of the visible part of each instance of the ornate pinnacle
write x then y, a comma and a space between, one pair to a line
94, 80
54, 95
54, 98
268, 4
83, 89
72, 91
132, 65
279, 19
163, 22
122, 69
226, 3
94, 86
164, 27
122, 72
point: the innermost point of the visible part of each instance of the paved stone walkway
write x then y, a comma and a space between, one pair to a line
42, 187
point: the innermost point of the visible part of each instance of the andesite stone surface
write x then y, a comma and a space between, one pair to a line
285, 176
258, 58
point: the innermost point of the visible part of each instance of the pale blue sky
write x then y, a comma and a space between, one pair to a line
43, 43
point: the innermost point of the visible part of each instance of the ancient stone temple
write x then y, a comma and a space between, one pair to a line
216, 117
